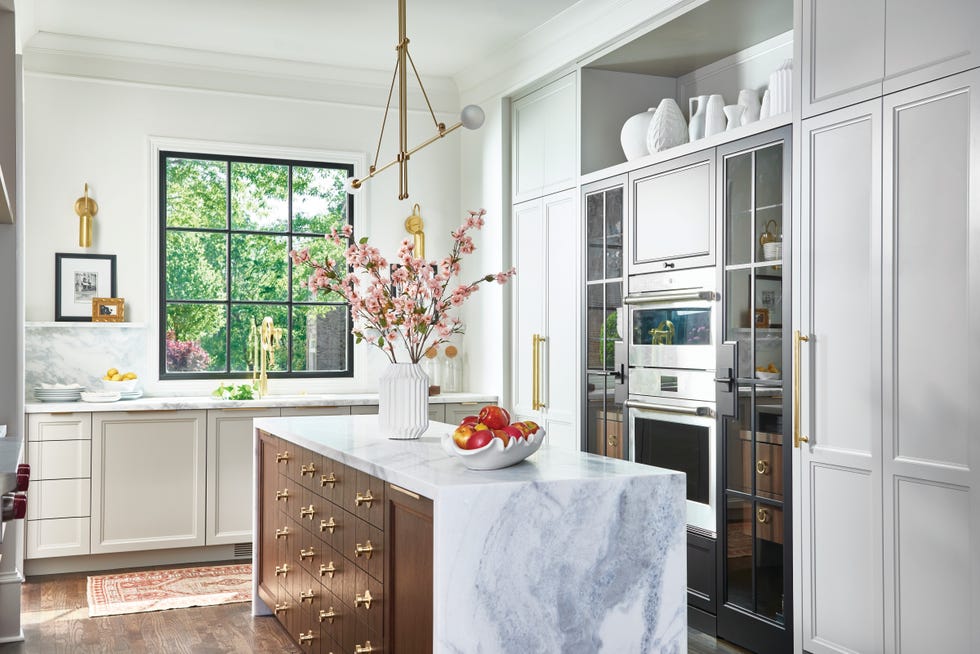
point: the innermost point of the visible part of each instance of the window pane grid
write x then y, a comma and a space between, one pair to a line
326, 206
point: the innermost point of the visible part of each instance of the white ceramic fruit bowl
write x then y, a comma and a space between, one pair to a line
494, 455
761, 374
127, 386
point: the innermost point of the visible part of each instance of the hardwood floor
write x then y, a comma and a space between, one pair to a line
55, 620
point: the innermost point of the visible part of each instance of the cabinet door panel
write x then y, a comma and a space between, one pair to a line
544, 128
843, 53
457, 411
928, 40
529, 249
59, 498
560, 352
60, 537
59, 459
148, 481
47, 427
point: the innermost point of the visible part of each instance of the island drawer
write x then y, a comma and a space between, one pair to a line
333, 479
336, 573
367, 498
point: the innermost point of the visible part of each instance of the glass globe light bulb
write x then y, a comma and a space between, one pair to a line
350, 187
472, 116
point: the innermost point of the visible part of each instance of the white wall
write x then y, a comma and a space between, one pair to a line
80, 129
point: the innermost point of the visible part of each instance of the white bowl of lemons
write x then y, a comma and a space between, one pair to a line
120, 382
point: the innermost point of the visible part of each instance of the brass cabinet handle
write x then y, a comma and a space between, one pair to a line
306, 595
328, 479
327, 615
306, 553
366, 549
363, 600
282, 495
282, 570
306, 512
536, 341
366, 649
327, 569
282, 533
309, 469
762, 467
282, 456
328, 525
366, 498
281, 608
306, 638
797, 436
762, 516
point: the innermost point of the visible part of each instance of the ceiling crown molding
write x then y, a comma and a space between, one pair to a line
127, 61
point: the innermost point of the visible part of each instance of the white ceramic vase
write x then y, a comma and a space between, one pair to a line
781, 89
403, 401
749, 99
733, 114
667, 127
695, 129
764, 109
633, 136
714, 120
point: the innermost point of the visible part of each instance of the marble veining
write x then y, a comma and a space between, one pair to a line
64, 353
565, 552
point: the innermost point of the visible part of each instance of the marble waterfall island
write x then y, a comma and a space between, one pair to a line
565, 552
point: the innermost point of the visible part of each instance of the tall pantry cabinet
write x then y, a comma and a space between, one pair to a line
890, 310
545, 247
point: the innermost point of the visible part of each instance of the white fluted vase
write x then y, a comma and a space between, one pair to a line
403, 401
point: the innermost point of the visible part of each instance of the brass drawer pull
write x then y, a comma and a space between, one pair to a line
328, 479
762, 467
363, 600
282, 570
306, 595
306, 554
366, 649
282, 495
366, 498
366, 549
306, 512
327, 615
327, 569
282, 533
762, 516
307, 470
328, 525
281, 608
282, 456
306, 638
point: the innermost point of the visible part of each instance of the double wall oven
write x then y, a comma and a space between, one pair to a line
671, 350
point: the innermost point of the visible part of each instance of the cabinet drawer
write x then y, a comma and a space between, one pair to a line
372, 616
60, 537
336, 621
316, 411
455, 412
59, 498
367, 498
308, 467
336, 573
437, 412
333, 480
59, 459
364, 410
368, 536
59, 427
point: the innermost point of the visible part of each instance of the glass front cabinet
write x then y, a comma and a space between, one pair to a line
604, 207
753, 364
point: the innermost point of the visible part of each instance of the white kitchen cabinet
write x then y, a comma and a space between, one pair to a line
672, 215
546, 375
58, 513
456, 411
545, 133
229, 474
364, 410
856, 51
148, 480
315, 411
890, 484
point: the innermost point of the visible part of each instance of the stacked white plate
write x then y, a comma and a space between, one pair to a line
131, 395
58, 392
100, 396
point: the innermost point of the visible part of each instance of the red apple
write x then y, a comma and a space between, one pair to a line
502, 435
470, 420
532, 426
462, 435
479, 439
521, 427
494, 417
514, 432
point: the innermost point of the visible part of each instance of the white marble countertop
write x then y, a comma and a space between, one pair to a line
424, 467
270, 401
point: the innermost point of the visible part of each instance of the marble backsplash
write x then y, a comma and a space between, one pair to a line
66, 353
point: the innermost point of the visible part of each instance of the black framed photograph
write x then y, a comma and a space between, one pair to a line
78, 279
769, 296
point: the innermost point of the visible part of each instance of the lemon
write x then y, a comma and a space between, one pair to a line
129, 375
117, 377
111, 372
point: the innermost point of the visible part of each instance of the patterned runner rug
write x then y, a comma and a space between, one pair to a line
158, 590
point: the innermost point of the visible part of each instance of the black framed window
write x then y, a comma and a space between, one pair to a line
227, 225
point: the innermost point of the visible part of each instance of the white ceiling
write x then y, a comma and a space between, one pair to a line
447, 36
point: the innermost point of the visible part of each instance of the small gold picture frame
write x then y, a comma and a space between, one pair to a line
108, 309
761, 318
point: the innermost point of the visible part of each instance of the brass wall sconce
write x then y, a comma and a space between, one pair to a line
86, 208
471, 117
414, 226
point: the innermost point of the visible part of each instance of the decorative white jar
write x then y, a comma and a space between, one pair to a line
403, 401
